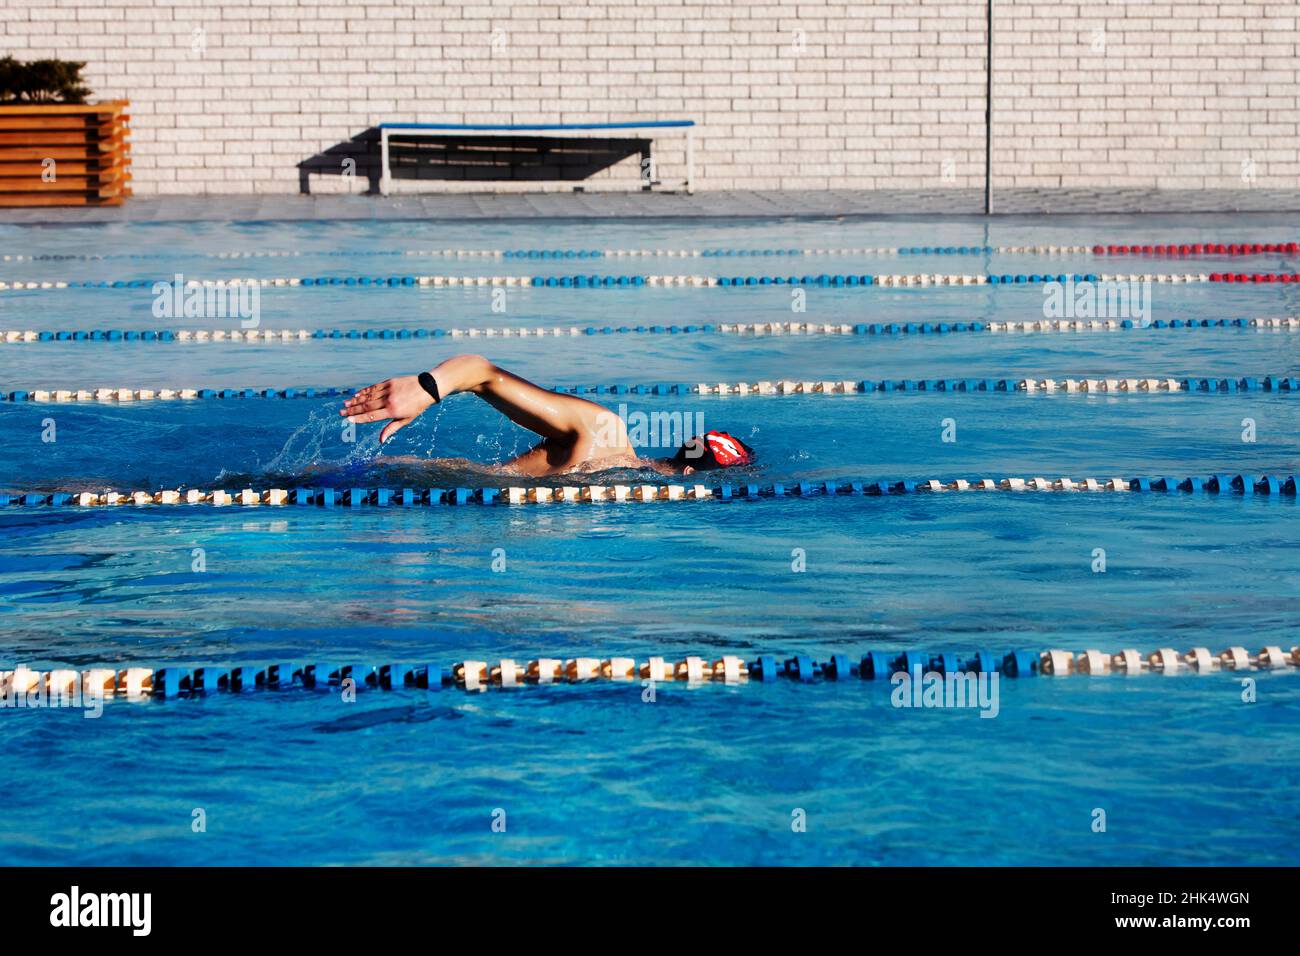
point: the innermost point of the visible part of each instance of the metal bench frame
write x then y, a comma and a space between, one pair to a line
558, 130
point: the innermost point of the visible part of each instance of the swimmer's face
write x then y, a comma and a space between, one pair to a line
710, 451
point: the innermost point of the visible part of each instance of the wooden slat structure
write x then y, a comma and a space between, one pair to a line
60, 155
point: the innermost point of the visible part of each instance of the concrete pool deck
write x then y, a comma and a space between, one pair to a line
489, 207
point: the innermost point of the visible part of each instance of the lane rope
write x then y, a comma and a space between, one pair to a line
1146, 385
908, 280
1090, 249
23, 686
349, 498
24, 336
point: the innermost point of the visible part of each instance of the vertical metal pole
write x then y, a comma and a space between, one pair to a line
988, 118
383, 160
690, 160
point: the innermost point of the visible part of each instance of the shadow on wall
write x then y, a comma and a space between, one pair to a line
461, 158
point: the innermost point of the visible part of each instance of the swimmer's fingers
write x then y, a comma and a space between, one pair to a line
400, 398
368, 394
366, 418
370, 390
355, 410
392, 428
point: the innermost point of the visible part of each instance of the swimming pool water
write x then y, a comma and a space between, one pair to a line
1185, 770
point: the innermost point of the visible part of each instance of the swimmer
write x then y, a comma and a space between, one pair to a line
577, 434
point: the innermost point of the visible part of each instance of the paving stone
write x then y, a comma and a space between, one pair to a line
737, 204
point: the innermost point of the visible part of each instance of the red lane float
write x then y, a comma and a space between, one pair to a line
1200, 249
1257, 277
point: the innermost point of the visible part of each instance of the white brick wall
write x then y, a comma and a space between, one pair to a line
813, 94
1150, 93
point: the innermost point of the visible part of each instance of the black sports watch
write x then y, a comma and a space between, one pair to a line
430, 385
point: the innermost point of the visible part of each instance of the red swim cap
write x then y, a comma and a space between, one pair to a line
714, 449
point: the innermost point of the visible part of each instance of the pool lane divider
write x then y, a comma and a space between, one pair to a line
1274, 486
1091, 249
1273, 384
24, 336
1029, 386
19, 686
909, 280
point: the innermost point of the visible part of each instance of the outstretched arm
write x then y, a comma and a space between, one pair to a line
557, 417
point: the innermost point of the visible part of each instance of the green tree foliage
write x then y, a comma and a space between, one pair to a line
41, 81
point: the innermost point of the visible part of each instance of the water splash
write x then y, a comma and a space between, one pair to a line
311, 445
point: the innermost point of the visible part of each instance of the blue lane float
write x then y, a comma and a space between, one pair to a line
627, 281
1282, 487
25, 687
1273, 384
955, 325
1085, 249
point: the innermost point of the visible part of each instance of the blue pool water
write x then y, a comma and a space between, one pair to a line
1185, 771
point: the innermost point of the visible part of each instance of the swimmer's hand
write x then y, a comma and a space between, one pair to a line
401, 400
